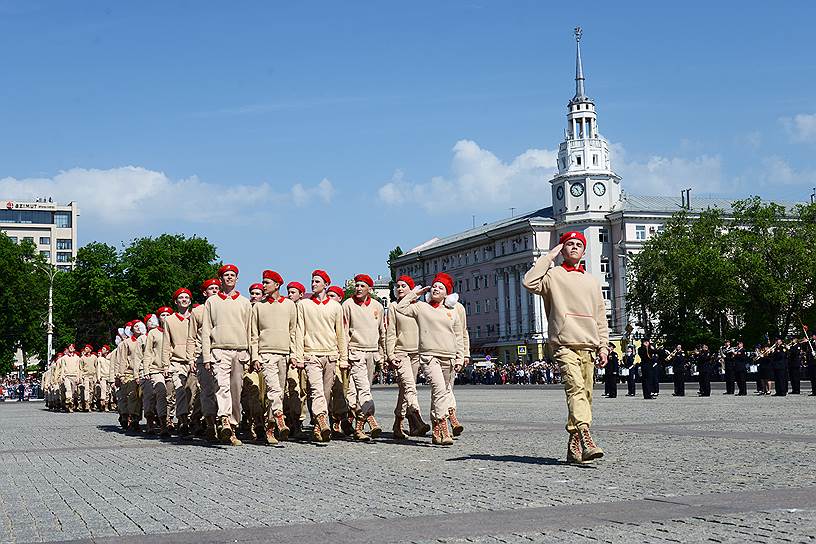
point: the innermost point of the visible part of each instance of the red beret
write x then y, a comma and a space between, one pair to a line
407, 279
211, 281
147, 318
227, 268
88, 346
337, 291
136, 321
182, 290
297, 285
272, 275
365, 278
445, 280
107, 347
164, 309
322, 274
572, 235
256, 286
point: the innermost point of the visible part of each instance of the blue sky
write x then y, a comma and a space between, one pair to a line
325, 134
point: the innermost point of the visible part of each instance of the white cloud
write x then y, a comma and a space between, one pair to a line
478, 180
801, 127
776, 170
323, 191
659, 175
133, 195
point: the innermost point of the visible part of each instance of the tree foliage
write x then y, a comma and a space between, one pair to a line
707, 279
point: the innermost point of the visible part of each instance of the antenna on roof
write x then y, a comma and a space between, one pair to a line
813, 196
511, 211
474, 221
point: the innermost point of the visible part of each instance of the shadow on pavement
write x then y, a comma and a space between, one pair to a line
512, 459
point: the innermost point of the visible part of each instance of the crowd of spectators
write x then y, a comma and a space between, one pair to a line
12, 389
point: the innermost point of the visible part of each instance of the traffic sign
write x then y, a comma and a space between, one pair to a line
522, 350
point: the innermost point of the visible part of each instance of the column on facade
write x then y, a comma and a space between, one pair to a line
501, 302
512, 281
525, 311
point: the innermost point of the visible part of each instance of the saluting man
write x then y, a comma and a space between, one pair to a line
578, 333
225, 336
365, 321
274, 326
320, 345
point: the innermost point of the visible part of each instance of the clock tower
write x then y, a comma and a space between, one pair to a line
585, 187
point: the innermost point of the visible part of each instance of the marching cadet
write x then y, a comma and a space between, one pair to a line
453, 371
155, 386
320, 345
569, 292
70, 373
440, 346
335, 293
174, 356
120, 377
402, 352
87, 365
365, 322
741, 369
135, 357
204, 374
225, 335
295, 394
274, 326
339, 409
256, 293
104, 378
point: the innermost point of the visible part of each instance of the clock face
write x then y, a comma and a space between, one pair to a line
599, 189
577, 189
559, 192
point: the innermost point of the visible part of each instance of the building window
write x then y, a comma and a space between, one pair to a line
502, 248
578, 160
64, 243
62, 220
661, 228
563, 162
487, 305
46, 254
467, 285
595, 160
604, 265
63, 268
478, 331
478, 307
603, 235
63, 256
45, 240
28, 239
640, 232
13, 239
605, 292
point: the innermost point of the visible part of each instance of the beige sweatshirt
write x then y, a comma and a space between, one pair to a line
88, 366
174, 342
576, 313
440, 331
71, 366
320, 330
274, 327
120, 358
194, 323
104, 368
227, 320
135, 354
365, 324
152, 361
401, 334
460, 311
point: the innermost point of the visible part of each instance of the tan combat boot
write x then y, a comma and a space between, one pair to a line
322, 428
417, 426
455, 425
437, 433
399, 433
359, 430
280, 423
591, 450
103, 406
270, 434
446, 439
376, 431
228, 434
575, 453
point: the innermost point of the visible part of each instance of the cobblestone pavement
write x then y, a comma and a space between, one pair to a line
721, 469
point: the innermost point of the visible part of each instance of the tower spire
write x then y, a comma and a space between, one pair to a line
579, 68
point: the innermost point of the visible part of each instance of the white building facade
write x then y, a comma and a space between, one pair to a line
488, 262
51, 227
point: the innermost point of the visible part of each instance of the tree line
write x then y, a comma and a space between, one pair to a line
107, 287
749, 274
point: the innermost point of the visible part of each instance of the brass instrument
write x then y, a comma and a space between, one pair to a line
671, 355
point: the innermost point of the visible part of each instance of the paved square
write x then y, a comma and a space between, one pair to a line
722, 469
